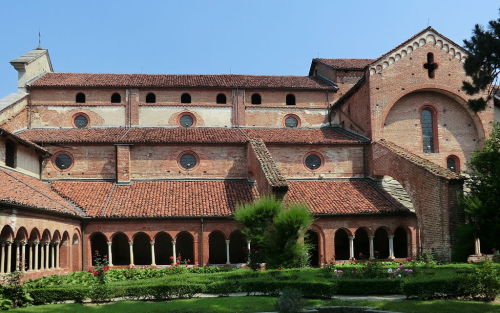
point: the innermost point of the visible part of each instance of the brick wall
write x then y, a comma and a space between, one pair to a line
95, 162
434, 198
161, 161
338, 161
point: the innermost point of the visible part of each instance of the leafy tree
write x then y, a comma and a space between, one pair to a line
275, 231
482, 204
483, 63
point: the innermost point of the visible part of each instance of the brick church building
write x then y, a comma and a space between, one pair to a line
150, 168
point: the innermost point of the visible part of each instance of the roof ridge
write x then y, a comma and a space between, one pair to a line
426, 164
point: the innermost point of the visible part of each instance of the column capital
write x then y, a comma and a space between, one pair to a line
131, 243
371, 236
351, 237
110, 243
8, 242
228, 241
173, 242
152, 242
390, 236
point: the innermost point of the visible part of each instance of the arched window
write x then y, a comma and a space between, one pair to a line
221, 99
453, 163
185, 98
80, 97
290, 99
10, 153
429, 135
150, 98
256, 99
116, 98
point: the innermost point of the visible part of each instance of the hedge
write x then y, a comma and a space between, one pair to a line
376, 286
274, 287
58, 294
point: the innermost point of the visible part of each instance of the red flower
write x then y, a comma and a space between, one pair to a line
106, 268
171, 258
96, 251
189, 260
105, 256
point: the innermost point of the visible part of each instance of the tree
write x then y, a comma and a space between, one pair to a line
275, 231
482, 204
482, 64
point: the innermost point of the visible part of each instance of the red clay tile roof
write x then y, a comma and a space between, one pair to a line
135, 135
26, 191
24, 142
335, 135
331, 135
91, 80
151, 199
157, 198
338, 197
415, 159
268, 166
346, 64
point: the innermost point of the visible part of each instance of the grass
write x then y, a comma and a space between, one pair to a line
256, 304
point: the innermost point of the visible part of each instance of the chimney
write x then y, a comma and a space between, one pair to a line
31, 66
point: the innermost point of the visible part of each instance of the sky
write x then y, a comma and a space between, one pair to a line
229, 36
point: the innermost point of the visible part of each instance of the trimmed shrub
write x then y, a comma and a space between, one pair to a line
58, 294
274, 287
381, 286
433, 288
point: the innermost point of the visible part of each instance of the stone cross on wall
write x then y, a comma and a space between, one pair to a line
430, 66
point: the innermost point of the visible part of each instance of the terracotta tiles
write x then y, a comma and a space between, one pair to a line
351, 64
23, 190
91, 80
268, 165
359, 196
157, 198
23, 141
333, 135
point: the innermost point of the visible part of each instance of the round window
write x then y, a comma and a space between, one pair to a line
313, 161
188, 161
186, 120
291, 122
81, 121
63, 161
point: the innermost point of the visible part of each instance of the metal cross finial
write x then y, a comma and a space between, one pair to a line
39, 40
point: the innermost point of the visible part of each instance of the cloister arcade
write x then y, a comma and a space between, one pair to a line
39, 250
162, 249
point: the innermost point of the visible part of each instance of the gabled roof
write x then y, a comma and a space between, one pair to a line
425, 37
200, 135
345, 64
91, 80
24, 142
24, 191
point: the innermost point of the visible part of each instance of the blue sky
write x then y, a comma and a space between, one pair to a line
245, 37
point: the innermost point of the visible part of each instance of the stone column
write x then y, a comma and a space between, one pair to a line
9, 257
477, 246
42, 256
35, 265
110, 253
351, 247
30, 261
228, 261
248, 251
391, 247
372, 254
47, 254
57, 247
2, 260
153, 257
52, 256
174, 252
17, 267
131, 247
22, 260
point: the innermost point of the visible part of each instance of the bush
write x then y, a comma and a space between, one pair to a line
432, 288
15, 291
290, 301
380, 286
274, 287
58, 294
483, 284
162, 291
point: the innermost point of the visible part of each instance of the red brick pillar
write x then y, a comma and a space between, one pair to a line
122, 164
133, 107
328, 245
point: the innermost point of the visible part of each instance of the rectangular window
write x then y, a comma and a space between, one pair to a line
10, 154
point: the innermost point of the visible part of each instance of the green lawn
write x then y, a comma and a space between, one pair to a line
256, 304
